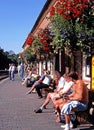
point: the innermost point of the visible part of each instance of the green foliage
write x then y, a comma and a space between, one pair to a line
75, 33
33, 50
6, 58
60, 24
36, 46
62, 29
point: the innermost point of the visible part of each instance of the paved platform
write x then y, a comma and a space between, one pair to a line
16, 109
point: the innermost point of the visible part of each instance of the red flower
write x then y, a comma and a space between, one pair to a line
69, 9
42, 34
29, 40
46, 48
44, 38
52, 11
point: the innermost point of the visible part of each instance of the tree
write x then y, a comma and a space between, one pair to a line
71, 23
6, 58
73, 28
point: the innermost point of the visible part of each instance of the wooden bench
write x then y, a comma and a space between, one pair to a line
86, 116
81, 116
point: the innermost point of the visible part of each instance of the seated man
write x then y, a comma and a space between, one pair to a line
77, 99
37, 82
60, 81
44, 84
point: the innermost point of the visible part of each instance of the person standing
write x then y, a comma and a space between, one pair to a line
10, 68
22, 71
13, 71
19, 69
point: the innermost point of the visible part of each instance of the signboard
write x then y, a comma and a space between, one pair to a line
93, 72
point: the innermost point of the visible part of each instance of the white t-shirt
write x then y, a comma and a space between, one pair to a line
68, 87
47, 80
13, 68
61, 83
10, 68
19, 68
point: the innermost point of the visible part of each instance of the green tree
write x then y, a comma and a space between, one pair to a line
72, 24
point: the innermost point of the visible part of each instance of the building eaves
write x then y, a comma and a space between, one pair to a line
41, 14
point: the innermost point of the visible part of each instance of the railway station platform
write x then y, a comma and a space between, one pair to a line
17, 109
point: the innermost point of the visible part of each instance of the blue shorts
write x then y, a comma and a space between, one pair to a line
81, 106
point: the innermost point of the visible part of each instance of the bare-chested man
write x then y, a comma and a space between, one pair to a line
78, 99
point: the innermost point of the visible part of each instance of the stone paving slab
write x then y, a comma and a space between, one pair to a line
16, 109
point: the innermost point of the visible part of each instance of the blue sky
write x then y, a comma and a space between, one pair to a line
17, 17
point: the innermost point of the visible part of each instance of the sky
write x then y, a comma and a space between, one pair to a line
17, 18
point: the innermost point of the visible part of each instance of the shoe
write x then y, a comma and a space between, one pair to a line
38, 111
66, 127
70, 125
63, 126
28, 93
39, 97
44, 107
34, 91
55, 111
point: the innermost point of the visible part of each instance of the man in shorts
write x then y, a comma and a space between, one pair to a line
77, 99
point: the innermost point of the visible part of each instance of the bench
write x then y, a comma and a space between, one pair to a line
80, 117
87, 116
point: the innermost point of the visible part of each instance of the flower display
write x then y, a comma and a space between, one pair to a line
29, 40
71, 26
44, 39
69, 9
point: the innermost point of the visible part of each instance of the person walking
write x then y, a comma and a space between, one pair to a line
10, 68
